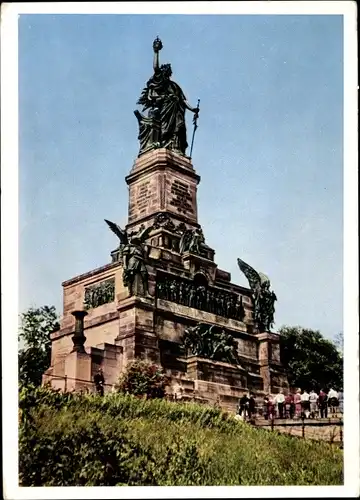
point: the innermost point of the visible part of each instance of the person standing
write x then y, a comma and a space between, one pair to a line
341, 401
333, 400
280, 400
247, 405
297, 403
99, 382
313, 399
252, 406
243, 406
323, 404
271, 407
305, 404
289, 406
266, 407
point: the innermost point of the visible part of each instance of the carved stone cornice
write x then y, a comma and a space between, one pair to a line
161, 159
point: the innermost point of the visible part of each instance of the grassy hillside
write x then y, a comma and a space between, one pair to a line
79, 440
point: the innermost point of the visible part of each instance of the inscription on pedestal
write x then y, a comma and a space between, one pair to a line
181, 197
143, 196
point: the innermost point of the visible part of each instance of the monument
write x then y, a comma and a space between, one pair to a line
162, 297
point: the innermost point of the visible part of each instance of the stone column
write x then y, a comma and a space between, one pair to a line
265, 359
79, 338
78, 362
136, 330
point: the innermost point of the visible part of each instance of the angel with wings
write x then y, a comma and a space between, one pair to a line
264, 298
133, 254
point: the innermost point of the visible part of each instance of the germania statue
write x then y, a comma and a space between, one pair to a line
165, 102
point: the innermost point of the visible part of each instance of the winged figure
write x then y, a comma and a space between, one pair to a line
120, 233
133, 254
264, 298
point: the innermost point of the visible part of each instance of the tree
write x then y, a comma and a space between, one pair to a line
339, 342
143, 378
36, 324
310, 360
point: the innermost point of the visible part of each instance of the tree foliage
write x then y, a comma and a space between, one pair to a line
143, 378
339, 342
36, 324
310, 360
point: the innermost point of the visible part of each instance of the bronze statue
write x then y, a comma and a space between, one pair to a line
149, 131
191, 241
211, 342
190, 294
133, 254
264, 298
165, 124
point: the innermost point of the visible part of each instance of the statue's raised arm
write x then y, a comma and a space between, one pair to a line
157, 46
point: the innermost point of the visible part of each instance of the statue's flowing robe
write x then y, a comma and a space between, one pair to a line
167, 96
145, 131
173, 129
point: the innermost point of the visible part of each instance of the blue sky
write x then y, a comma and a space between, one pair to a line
269, 147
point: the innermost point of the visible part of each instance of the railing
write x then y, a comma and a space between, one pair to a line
296, 427
327, 429
65, 378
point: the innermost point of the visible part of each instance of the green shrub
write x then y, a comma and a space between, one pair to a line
142, 378
118, 439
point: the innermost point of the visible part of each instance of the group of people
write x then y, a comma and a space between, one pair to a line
247, 406
303, 404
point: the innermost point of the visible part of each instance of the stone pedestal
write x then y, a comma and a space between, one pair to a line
78, 371
199, 264
217, 382
108, 357
271, 369
136, 329
162, 181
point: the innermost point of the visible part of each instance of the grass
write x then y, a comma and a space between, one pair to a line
120, 439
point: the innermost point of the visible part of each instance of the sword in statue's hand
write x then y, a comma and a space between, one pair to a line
196, 116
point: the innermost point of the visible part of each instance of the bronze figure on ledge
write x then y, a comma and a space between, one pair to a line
133, 254
264, 298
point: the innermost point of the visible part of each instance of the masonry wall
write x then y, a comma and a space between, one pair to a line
161, 181
101, 323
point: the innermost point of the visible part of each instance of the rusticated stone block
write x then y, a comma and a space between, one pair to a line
162, 181
216, 372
